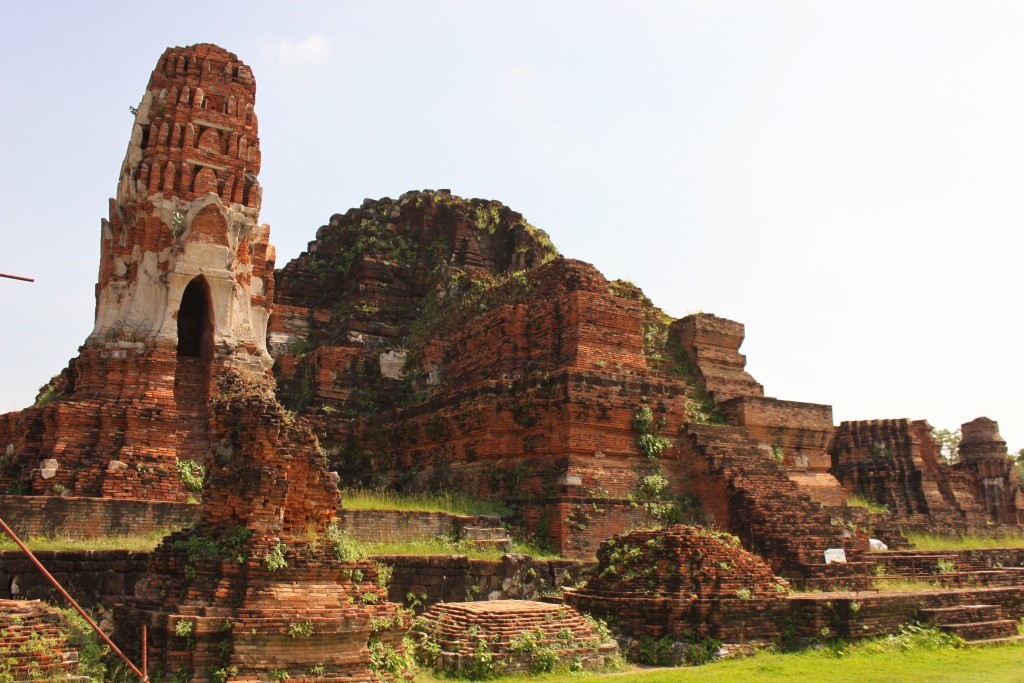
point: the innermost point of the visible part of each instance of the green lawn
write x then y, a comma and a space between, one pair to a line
139, 542
936, 542
443, 545
995, 664
442, 501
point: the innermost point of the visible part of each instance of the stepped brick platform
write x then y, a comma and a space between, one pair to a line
866, 614
903, 561
262, 584
960, 568
759, 503
973, 623
512, 633
682, 581
32, 646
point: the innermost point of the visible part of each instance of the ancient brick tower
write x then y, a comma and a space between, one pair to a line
184, 291
184, 264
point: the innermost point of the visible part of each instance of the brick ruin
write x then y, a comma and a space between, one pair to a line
430, 342
897, 463
33, 646
684, 582
185, 289
510, 636
263, 585
437, 342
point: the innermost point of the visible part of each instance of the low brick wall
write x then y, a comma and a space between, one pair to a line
861, 615
927, 561
456, 578
400, 525
50, 516
92, 577
105, 577
32, 516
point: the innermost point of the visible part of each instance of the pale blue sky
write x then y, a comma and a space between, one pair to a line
843, 178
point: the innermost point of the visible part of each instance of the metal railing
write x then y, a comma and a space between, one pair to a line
95, 627
924, 564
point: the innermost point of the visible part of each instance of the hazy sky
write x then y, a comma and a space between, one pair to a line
843, 178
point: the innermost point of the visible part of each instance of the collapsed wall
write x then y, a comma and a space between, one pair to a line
264, 582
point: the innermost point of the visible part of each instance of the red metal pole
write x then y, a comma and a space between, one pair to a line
70, 599
17, 277
145, 664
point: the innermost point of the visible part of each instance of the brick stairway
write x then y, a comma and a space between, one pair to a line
191, 393
977, 624
33, 646
951, 569
494, 536
771, 514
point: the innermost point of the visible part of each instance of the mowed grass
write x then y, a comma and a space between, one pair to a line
138, 542
441, 501
991, 664
146, 542
442, 545
936, 542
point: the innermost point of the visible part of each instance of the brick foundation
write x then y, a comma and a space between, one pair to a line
512, 633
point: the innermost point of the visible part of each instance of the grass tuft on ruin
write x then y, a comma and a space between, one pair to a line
440, 501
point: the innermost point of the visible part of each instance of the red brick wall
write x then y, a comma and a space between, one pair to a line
32, 516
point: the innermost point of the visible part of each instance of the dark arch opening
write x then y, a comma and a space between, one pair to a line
195, 324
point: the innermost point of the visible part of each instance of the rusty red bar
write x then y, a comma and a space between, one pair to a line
17, 277
56, 584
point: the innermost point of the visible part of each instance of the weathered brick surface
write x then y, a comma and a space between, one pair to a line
456, 578
39, 516
897, 463
185, 283
906, 562
867, 614
402, 525
983, 457
96, 579
33, 647
712, 345
99, 580
761, 504
682, 581
260, 563
462, 629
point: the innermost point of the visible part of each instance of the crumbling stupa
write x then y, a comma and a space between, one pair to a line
185, 288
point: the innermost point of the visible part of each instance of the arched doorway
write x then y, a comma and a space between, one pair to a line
192, 374
195, 324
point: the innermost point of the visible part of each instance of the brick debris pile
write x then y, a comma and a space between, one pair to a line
684, 581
